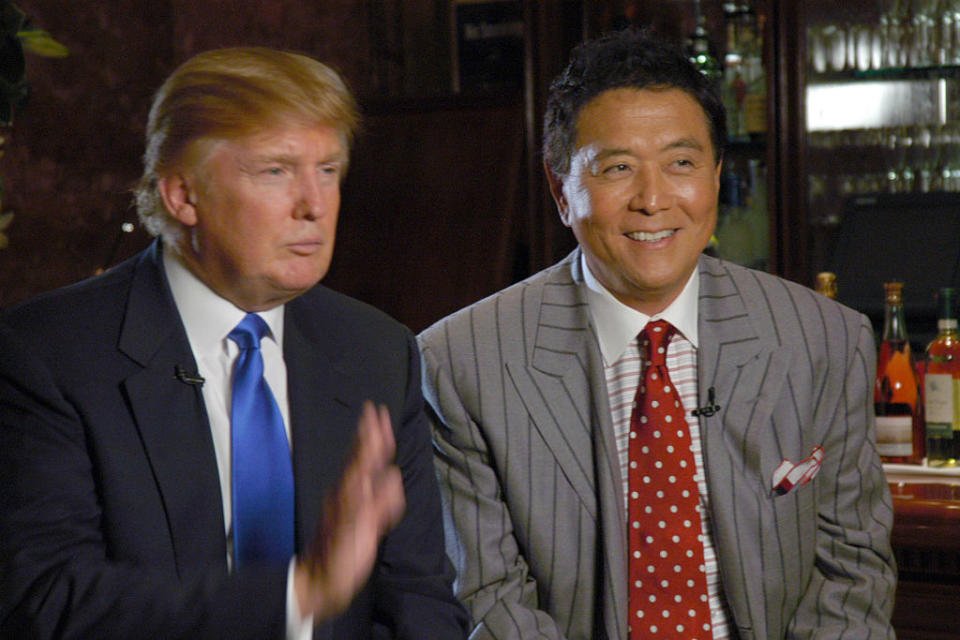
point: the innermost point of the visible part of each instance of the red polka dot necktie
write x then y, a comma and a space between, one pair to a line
668, 585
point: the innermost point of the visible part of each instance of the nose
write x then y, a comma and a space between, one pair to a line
652, 190
314, 197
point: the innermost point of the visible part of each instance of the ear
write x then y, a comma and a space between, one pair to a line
556, 190
179, 197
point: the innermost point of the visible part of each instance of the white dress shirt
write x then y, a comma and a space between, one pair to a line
617, 328
208, 320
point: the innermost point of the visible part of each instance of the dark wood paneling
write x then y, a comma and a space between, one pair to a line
431, 208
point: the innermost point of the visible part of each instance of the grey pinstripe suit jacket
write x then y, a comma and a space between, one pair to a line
533, 500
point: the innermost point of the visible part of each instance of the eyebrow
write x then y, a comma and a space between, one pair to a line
286, 158
681, 143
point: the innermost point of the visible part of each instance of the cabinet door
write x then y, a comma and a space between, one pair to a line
881, 141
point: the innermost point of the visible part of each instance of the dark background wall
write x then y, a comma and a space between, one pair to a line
445, 200
436, 182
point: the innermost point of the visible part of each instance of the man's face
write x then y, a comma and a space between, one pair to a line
261, 224
641, 196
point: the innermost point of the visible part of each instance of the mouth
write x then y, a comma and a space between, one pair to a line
651, 236
305, 247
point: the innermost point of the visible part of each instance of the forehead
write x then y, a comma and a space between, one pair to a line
618, 114
310, 141
291, 135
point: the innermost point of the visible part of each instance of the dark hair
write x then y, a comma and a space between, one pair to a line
631, 58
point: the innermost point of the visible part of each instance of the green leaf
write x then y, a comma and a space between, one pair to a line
40, 42
5, 220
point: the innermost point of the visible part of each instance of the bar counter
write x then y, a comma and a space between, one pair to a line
926, 542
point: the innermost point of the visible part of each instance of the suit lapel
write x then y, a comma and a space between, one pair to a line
565, 391
323, 412
747, 369
171, 419
555, 386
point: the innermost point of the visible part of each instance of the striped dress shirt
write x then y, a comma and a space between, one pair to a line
623, 372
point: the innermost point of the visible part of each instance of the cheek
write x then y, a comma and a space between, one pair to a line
700, 199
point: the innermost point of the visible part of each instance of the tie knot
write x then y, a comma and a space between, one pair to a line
654, 339
249, 332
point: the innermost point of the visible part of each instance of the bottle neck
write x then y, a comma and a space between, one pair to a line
894, 323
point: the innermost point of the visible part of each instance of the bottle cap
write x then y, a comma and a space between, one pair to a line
827, 284
894, 291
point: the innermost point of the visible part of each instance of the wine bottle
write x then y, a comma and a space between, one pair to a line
900, 433
942, 387
827, 284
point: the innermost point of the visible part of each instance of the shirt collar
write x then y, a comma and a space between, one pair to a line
208, 317
617, 324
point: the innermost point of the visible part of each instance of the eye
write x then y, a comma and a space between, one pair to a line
684, 165
616, 169
273, 171
329, 171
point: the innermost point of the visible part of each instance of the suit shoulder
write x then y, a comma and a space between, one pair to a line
83, 306
783, 312
760, 289
506, 305
326, 309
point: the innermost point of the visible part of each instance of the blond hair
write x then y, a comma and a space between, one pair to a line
224, 94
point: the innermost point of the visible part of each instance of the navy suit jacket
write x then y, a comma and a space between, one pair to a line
111, 520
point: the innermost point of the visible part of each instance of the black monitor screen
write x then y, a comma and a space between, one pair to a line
913, 238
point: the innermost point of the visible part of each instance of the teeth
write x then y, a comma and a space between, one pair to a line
650, 237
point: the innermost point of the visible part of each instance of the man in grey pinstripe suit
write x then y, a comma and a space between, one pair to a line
525, 397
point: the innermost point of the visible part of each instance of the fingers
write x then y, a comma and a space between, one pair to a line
367, 503
375, 445
373, 459
389, 500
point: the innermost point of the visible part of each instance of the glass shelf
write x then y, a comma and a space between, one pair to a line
900, 73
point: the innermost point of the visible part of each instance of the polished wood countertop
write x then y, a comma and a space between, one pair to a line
926, 543
926, 505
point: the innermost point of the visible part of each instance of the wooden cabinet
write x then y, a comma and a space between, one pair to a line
926, 542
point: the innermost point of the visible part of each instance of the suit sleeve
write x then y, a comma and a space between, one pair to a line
854, 577
57, 579
413, 580
493, 578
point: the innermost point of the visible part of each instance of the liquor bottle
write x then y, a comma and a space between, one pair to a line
701, 51
734, 73
755, 102
900, 433
942, 387
756, 214
827, 284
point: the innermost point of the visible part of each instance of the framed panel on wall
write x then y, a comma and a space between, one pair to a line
487, 45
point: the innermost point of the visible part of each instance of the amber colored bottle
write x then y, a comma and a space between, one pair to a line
900, 428
827, 284
942, 387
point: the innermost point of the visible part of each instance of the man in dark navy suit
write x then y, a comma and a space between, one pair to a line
119, 461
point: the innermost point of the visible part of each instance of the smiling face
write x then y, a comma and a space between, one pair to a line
641, 194
260, 213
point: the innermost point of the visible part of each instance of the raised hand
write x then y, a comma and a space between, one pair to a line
367, 503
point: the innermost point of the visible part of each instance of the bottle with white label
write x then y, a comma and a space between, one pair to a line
942, 387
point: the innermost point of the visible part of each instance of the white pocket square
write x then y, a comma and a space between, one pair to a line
789, 476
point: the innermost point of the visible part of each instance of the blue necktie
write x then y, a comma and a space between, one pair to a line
262, 468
